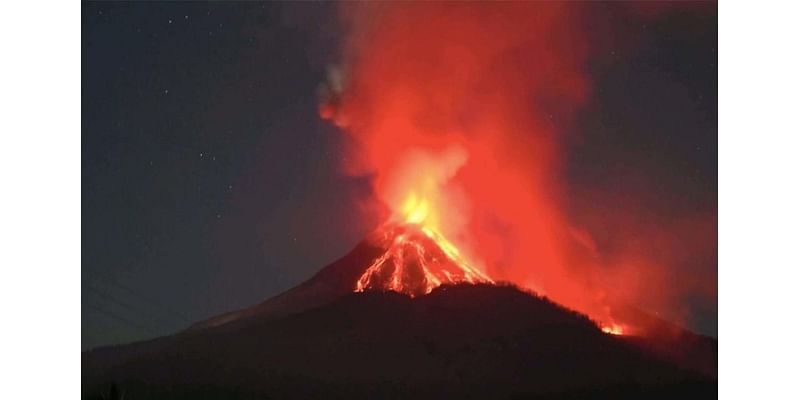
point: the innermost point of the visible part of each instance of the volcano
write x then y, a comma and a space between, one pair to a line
403, 257
402, 315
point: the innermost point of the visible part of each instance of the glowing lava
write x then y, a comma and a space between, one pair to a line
613, 329
417, 257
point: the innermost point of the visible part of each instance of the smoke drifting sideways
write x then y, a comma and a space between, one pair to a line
453, 103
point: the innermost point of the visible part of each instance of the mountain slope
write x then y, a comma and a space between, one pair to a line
401, 257
323, 340
473, 341
332, 282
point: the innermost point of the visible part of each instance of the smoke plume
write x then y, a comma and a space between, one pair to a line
455, 103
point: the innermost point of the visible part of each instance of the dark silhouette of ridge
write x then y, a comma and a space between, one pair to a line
321, 340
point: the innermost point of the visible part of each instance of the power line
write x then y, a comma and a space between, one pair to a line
154, 303
108, 298
118, 318
105, 330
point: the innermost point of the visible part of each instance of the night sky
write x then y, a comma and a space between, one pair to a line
209, 182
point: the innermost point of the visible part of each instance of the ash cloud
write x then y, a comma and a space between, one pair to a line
500, 86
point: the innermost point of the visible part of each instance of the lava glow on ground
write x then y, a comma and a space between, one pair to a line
613, 329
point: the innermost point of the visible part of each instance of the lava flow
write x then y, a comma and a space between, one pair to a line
612, 329
417, 258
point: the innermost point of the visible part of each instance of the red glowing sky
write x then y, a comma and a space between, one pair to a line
469, 107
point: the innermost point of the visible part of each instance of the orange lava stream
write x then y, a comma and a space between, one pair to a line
417, 260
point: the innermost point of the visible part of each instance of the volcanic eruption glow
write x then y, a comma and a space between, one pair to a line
457, 114
417, 257
613, 329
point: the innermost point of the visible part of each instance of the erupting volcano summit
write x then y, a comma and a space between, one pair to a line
417, 260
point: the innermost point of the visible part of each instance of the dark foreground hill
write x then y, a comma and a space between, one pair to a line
460, 341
